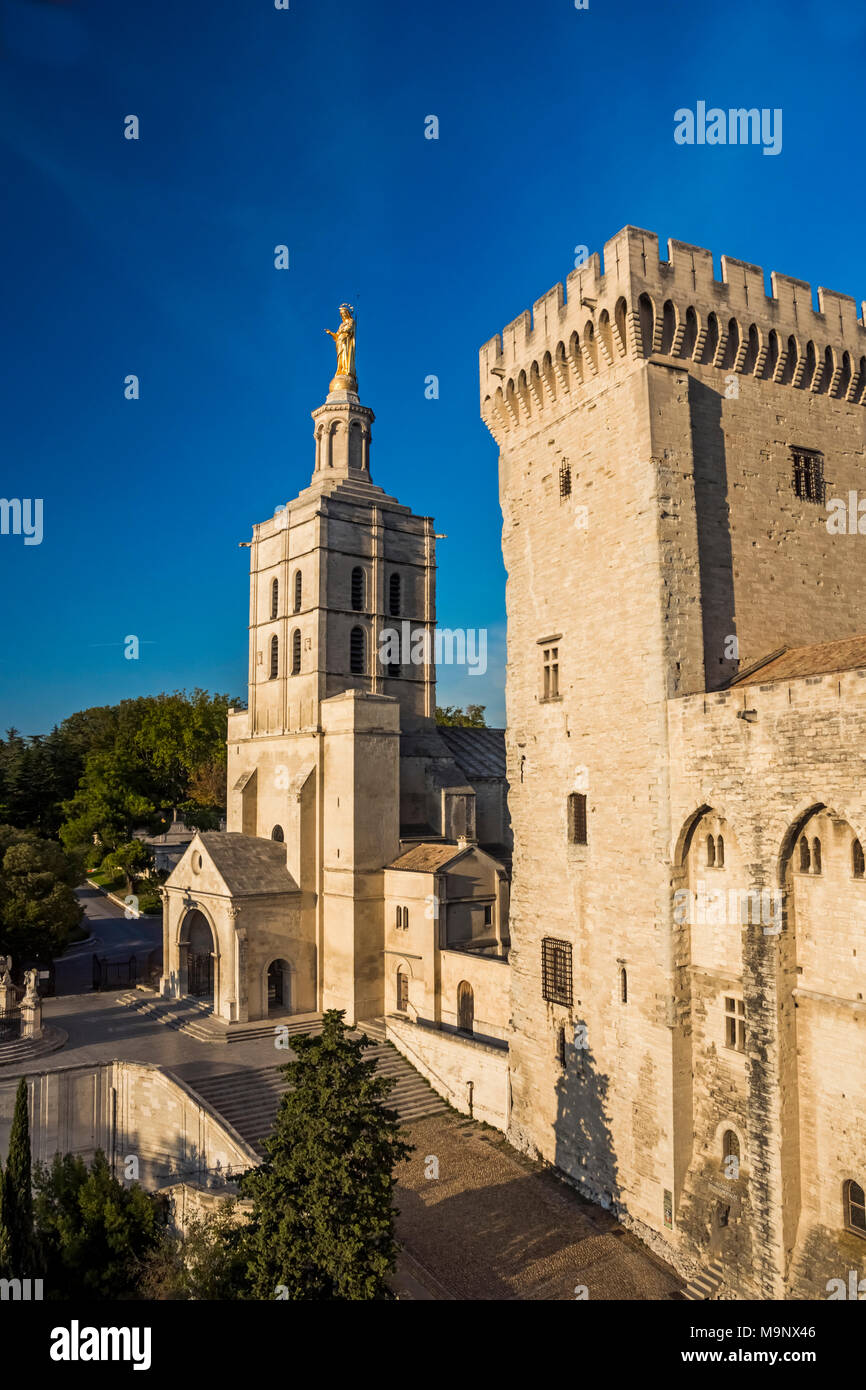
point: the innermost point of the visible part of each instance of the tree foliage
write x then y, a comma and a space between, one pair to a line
322, 1223
472, 717
38, 907
96, 1234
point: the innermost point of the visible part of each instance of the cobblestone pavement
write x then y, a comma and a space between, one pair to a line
494, 1225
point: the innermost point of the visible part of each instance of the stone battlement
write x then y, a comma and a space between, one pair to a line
632, 305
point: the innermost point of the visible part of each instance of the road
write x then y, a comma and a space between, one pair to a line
117, 937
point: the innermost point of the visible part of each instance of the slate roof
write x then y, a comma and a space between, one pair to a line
789, 663
479, 752
248, 865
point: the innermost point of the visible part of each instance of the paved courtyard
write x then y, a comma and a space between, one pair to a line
496, 1226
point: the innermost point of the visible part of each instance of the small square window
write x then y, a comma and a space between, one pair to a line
735, 1024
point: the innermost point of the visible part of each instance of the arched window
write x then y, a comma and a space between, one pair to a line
357, 589
357, 652
277, 834
855, 1207
858, 863
816, 855
275, 597
296, 652
275, 657
399, 918
299, 590
805, 856
402, 990
730, 1155
623, 986
711, 851
720, 852
465, 1007
394, 595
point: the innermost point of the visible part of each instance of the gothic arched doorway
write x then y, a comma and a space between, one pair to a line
279, 987
200, 955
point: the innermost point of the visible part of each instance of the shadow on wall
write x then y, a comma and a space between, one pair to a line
584, 1144
715, 558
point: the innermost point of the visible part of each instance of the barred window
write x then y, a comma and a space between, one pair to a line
299, 590
275, 597
556, 971
275, 657
735, 1024
855, 1207
565, 479
808, 467
296, 652
577, 818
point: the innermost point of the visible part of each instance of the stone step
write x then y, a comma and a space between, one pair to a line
249, 1099
702, 1286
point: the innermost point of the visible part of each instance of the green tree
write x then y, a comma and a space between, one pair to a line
20, 1246
96, 1234
206, 1262
131, 857
322, 1223
470, 718
111, 802
38, 907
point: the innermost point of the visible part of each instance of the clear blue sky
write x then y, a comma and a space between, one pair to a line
261, 126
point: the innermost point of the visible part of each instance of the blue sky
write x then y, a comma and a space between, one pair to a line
306, 127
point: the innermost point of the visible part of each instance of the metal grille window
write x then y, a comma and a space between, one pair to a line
275, 657
577, 818
275, 597
358, 589
299, 590
296, 652
565, 479
357, 647
735, 1024
551, 672
808, 475
556, 971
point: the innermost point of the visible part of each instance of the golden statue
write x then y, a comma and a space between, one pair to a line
344, 341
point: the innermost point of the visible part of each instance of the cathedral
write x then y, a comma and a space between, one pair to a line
365, 864
629, 931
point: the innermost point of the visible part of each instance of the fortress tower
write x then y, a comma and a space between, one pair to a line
668, 447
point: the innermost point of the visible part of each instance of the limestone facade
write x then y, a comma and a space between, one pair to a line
338, 775
669, 445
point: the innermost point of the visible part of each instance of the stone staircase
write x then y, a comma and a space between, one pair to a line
23, 1049
249, 1097
704, 1285
197, 1020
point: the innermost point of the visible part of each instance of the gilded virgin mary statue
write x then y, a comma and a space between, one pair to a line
344, 341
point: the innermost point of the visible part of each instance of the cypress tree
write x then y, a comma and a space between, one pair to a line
18, 1192
322, 1224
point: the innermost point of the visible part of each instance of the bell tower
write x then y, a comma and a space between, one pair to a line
336, 575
